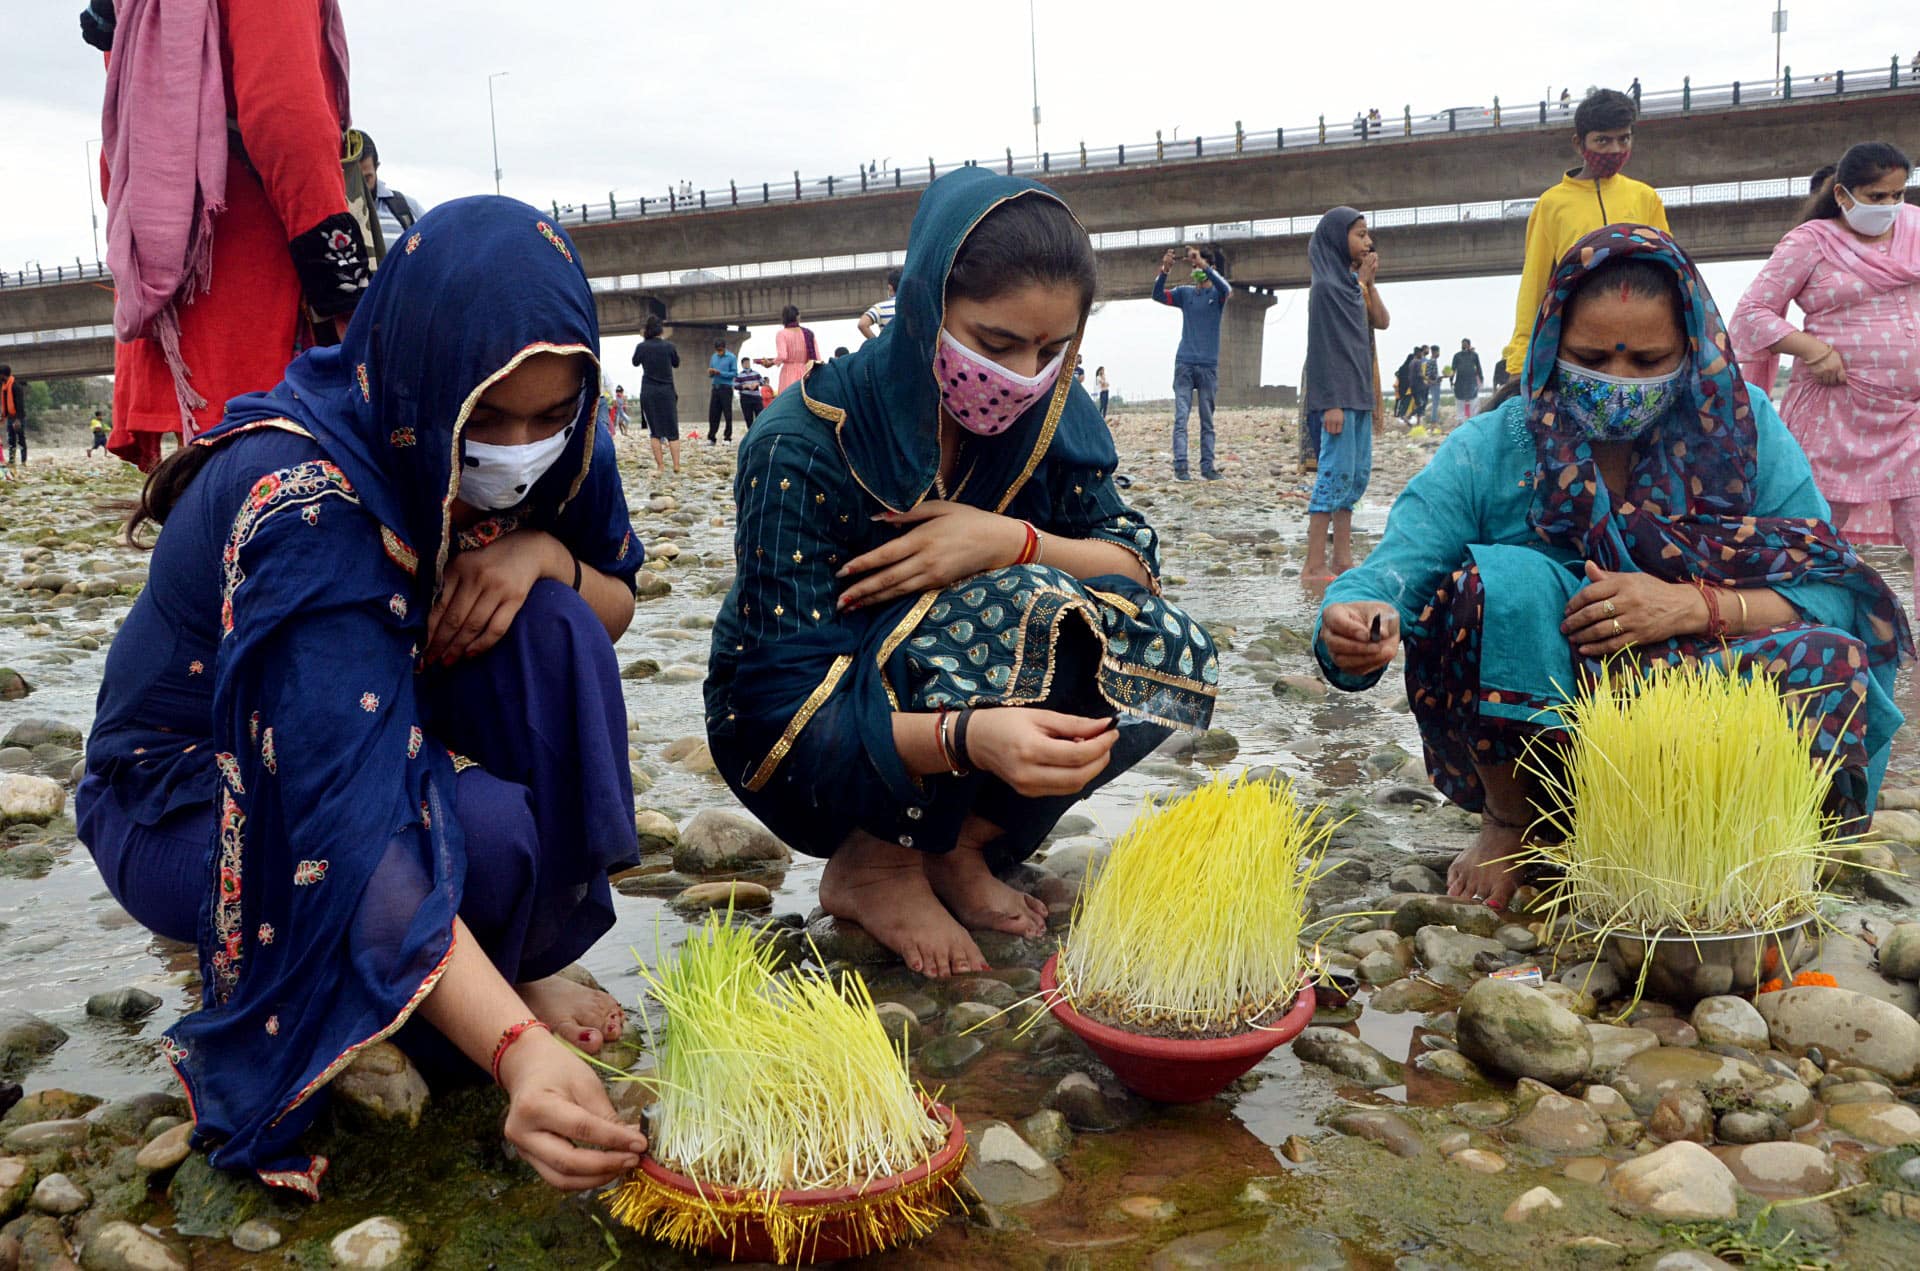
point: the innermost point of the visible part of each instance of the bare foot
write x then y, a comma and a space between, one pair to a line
1483, 872
980, 901
885, 889
578, 1015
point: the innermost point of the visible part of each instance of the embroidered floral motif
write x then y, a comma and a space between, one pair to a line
302, 485
310, 514
426, 817
559, 243
230, 770
369, 702
253, 728
398, 604
414, 738
307, 873
273, 1025
227, 954
626, 542
173, 1050
196, 666
413, 243
360, 378
265, 934
486, 532
400, 438
267, 757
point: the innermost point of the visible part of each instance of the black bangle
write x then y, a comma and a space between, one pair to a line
576, 574
960, 752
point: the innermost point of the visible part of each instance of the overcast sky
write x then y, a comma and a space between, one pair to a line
613, 95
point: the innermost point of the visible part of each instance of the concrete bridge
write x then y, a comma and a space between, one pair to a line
1136, 209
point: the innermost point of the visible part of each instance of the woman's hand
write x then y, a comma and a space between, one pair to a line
1614, 611
1828, 369
1040, 752
556, 1103
1332, 421
948, 542
1347, 631
483, 591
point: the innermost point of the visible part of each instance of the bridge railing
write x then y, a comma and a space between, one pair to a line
1362, 129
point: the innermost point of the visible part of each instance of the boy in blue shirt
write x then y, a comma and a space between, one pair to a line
722, 367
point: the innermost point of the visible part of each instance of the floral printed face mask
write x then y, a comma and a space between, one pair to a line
983, 396
1606, 407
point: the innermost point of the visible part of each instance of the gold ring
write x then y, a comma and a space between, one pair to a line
1617, 628
1607, 608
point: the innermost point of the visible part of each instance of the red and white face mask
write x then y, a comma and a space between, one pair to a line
983, 396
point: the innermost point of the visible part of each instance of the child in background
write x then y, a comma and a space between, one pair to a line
1343, 310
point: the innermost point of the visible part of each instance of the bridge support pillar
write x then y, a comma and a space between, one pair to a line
1243, 331
695, 341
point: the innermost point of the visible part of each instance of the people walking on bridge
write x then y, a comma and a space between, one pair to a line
910, 676
1467, 376
1853, 267
659, 400
721, 369
875, 320
1196, 364
13, 411
1344, 309
795, 350
237, 107
747, 382
1586, 198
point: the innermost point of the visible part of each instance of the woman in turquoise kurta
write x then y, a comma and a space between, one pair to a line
946, 626
1514, 571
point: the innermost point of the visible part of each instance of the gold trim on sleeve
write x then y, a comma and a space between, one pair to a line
815, 700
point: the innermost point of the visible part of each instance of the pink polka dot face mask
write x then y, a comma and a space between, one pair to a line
983, 396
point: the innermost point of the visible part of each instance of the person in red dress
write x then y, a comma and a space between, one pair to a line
228, 232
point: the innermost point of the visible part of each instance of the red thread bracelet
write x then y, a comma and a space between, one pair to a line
507, 1039
1716, 625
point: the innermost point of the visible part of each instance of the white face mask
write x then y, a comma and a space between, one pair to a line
1869, 219
497, 477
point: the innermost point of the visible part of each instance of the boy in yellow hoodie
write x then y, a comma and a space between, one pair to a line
1587, 197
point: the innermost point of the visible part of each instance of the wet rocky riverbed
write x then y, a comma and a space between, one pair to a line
1414, 1128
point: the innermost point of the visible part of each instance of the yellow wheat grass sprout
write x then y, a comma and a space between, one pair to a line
1687, 800
777, 1082
1192, 926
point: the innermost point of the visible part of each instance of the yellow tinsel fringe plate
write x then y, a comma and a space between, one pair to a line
794, 1227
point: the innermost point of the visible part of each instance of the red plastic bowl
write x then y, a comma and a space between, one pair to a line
841, 1234
1175, 1070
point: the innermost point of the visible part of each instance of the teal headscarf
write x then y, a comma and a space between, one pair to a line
885, 400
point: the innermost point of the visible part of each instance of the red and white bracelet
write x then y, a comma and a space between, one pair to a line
507, 1039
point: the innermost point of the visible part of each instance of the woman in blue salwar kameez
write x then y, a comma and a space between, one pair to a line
362, 737
1635, 499
946, 626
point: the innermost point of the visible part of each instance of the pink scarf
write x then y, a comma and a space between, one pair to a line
164, 132
1898, 266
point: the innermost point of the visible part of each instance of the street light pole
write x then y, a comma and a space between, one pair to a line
1033, 48
1779, 29
493, 125
92, 184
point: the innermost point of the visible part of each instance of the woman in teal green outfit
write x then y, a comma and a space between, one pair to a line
1631, 497
946, 626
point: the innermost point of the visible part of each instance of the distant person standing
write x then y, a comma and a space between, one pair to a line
1403, 385
1430, 372
721, 369
747, 382
1853, 267
620, 410
1587, 197
1196, 364
13, 409
1100, 383
228, 231
1080, 370
1417, 383
794, 349
1466, 378
393, 212
659, 400
1344, 309
99, 427
875, 320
